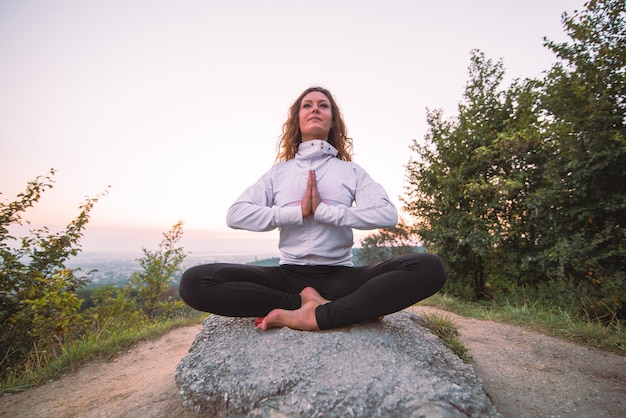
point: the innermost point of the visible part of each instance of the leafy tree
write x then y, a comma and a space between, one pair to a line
527, 186
159, 267
387, 243
585, 103
38, 302
464, 186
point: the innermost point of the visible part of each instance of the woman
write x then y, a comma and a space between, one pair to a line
315, 194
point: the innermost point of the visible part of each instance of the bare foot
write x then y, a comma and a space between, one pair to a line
309, 294
302, 319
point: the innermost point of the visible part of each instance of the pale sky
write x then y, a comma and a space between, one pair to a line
178, 105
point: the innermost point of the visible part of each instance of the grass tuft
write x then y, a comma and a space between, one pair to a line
563, 322
443, 327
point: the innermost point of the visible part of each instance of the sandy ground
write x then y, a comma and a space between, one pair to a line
526, 374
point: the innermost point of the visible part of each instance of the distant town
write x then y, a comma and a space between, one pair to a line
116, 269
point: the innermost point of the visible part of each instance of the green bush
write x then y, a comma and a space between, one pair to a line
38, 302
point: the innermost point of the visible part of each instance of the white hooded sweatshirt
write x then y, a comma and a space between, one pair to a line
326, 237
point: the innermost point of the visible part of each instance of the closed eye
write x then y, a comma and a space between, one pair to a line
306, 105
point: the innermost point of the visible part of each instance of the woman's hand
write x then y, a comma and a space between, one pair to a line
311, 198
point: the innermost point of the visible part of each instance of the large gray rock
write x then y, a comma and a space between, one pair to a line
390, 368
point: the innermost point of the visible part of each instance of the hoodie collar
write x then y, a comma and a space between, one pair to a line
315, 148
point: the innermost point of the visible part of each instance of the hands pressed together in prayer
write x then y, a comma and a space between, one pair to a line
311, 198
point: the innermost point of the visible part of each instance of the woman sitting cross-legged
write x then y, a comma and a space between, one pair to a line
315, 195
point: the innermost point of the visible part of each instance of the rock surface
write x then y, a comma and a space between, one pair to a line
392, 367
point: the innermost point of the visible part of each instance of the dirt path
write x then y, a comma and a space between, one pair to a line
526, 374
138, 383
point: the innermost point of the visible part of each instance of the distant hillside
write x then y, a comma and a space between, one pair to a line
117, 269
274, 261
386, 253
265, 262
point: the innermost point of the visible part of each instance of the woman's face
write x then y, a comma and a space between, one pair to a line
315, 116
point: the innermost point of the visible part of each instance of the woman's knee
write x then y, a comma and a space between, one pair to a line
195, 285
427, 265
436, 269
188, 286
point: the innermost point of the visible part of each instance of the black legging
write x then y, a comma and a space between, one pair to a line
356, 293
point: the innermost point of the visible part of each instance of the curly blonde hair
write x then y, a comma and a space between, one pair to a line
292, 137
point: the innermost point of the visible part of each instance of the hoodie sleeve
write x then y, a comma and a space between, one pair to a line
254, 210
372, 208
